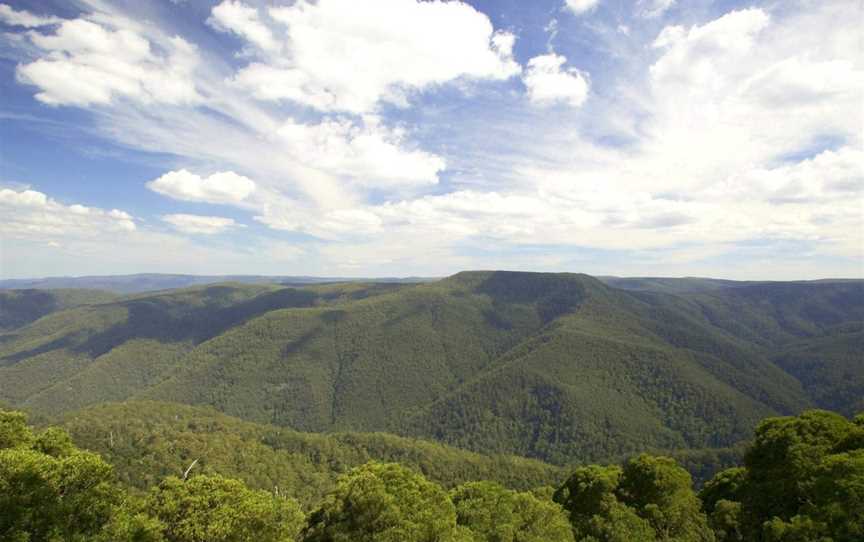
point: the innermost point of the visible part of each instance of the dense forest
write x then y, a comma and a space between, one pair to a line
487, 406
801, 479
562, 368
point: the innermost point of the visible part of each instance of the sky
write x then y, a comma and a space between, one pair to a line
403, 138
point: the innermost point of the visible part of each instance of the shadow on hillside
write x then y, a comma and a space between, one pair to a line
167, 320
21, 307
553, 295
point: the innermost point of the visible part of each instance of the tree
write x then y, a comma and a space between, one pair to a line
217, 509
14, 431
50, 490
725, 521
783, 460
725, 485
662, 492
588, 495
495, 514
384, 502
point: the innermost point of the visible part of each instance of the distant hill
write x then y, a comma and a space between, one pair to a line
689, 285
558, 367
151, 282
20, 307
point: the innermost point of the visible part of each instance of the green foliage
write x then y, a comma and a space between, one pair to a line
558, 367
383, 503
726, 485
49, 490
725, 521
662, 492
14, 431
784, 460
218, 509
650, 498
803, 479
146, 441
589, 496
20, 307
130, 524
493, 513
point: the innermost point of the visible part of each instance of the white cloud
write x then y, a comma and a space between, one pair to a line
225, 187
798, 81
827, 177
243, 20
371, 155
727, 96
656, 8
200, 224
10, 16
29, 214
346, 55
40, 236
700, 56
87, 63
581, 6
267, 82
720, 138
548, 83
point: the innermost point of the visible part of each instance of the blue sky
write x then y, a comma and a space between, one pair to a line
395, 137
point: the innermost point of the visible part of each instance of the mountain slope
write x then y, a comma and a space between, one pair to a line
555, 366
21, 307
146, 441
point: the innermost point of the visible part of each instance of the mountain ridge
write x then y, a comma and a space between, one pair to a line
559, 367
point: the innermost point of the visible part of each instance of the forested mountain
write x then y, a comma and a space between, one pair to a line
559, 367
690, 285
20, 307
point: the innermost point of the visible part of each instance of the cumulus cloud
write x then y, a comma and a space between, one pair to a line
732, 139
12, 17
225, 187
371, 155
548, 82
29, 214
349, 56
200, 224
87, 63
581, 6
699, 56
237, 17
729, 95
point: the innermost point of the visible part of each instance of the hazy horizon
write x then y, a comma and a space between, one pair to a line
405, 277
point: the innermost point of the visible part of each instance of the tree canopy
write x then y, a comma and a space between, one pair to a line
802, 481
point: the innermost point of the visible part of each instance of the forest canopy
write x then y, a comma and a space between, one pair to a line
802, 479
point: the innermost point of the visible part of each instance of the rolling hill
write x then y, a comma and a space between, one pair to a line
20, 307
559, 367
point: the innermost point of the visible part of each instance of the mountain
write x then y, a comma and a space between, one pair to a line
689, 285
558, 367
682, 285
151, 282
20, 307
